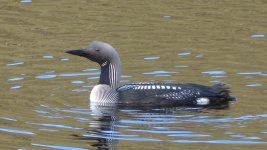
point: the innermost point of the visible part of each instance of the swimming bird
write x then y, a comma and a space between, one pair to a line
144, 93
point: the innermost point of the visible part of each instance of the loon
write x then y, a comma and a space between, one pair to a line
145, 93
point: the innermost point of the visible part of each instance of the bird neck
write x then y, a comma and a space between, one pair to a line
110, 73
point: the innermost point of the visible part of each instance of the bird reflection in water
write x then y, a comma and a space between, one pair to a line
102, 128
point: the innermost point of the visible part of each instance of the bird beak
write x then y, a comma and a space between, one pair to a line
79, 52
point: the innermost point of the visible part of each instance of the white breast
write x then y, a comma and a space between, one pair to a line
103, 93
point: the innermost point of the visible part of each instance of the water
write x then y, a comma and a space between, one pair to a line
44, 91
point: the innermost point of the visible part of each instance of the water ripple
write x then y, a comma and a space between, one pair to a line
219, 142
8, 119
80, 90
214, 72
125, 138
50, 76
15, 79
93, 78
16, 131
249, 73
223, 120
16, 87
48, 57
25, 1
161, 131
45, 76
58, 147
64, 59
160, 72
151, 58
199, 56
78, 74
181, 66
167, 17
15, 64
145, 122
77, 112
55, 125
91, 69
49, 130
77, 82
257, 36
41, 112
218, 76
184, 54
189, 135
254, 85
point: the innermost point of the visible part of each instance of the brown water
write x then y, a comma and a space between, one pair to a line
44, 92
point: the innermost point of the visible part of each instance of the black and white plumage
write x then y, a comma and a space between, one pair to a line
145, 93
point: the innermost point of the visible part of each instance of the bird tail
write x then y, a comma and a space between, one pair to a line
223, 90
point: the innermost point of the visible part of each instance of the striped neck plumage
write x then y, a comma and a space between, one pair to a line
110, 74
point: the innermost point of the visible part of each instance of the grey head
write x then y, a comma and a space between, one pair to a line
107, 57
99, 52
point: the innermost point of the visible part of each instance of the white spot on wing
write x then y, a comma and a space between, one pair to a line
203, 101
168, 87
153, 87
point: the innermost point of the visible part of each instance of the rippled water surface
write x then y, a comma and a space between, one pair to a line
44, 91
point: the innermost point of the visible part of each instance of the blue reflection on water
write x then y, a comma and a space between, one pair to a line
189, 135
94, 78
200, 56
184, 54
58, 147
45, 76
151, 58
219, 142
25, 1
77, 82
249, 73
50, 76
64, 59
214, 72
16, 87
41, 112
254, 85
161, 131
16, 131
257, 36
77, 74
49, 130
9, 119
48, 57
218, 76
15, 64
124, 138
15, 79
160, 72
91, 69
181, 66
55, 125
80, 90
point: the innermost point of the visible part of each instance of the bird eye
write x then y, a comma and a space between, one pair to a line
97, 50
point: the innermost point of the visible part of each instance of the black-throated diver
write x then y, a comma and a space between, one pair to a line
145, 93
